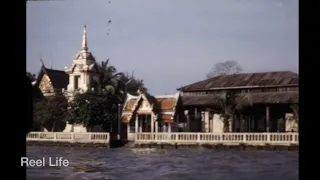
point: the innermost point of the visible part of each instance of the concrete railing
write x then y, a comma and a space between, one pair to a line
69, 137
219, 138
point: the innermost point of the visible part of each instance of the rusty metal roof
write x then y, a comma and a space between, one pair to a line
281, 78
256, 98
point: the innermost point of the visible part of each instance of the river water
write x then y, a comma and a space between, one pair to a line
157, 164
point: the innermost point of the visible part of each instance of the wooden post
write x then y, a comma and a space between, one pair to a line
128, 127
186, 113
195, 118
267, 119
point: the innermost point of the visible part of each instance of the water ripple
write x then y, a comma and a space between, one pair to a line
157, 164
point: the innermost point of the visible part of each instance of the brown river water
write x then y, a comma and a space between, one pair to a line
158, 164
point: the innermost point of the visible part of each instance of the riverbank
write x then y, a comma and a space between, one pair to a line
67, 144
242, 147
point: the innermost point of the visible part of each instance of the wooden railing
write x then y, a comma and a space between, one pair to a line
219, 138
69, 137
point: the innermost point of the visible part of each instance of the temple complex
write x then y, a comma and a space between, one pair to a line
193, 108
82, 76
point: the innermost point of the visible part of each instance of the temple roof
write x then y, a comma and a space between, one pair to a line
160, 105
58, 78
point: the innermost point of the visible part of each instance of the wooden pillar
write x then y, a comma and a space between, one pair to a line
196, 119
202, 122
128, 127
267, 119
186, 113
163, 126
147, 123
136, 124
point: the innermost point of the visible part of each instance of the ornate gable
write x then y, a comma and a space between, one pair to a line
46, 86
164, 107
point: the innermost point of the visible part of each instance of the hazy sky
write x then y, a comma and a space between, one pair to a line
167, 43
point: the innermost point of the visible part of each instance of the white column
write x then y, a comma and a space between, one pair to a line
140, 125
212, 124
136, 124
156, 125
152, 123
206, 121
169, 127
71, 83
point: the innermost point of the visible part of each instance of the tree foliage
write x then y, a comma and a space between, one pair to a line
119, 83
225, 68
51, 112
228, 103
101, 107
295, 110
31, 76
90, 109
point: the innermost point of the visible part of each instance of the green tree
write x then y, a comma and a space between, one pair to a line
101, 107
119, 83
228, 103
90, 109
31, 76
295, 110
51, 112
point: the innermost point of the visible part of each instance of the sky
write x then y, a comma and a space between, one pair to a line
166, 43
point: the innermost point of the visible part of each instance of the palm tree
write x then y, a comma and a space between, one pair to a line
228, 103
295, 110
119, 83
111, 81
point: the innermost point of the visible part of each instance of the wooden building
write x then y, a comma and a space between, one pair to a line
271, 94
146, 113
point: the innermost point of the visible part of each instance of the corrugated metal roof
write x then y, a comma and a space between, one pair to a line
281, 78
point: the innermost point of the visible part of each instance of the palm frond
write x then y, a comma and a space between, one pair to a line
243, 101
295, 110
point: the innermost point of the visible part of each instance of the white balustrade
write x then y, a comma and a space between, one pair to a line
69, 137
219, 138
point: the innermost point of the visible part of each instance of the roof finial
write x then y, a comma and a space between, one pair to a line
84, 39
42, 63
